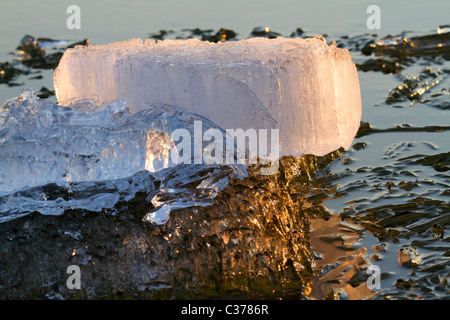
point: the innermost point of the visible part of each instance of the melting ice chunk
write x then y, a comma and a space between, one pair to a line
306, 89
42, 142
54, 158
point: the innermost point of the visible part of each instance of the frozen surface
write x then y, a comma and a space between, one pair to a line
54, 158
305, 88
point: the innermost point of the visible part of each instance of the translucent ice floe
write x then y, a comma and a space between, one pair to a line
54, 158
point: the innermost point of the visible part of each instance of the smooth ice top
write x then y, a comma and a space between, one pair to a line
303, 87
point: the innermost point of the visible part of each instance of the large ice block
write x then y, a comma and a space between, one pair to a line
305, 88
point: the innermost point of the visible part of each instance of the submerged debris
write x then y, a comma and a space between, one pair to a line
31, 54
433, 44
266, 33
382, 65
8, 72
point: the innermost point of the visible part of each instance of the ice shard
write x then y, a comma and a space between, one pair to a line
306, 89
54, 158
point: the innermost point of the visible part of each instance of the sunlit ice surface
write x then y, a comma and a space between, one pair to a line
54, 158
